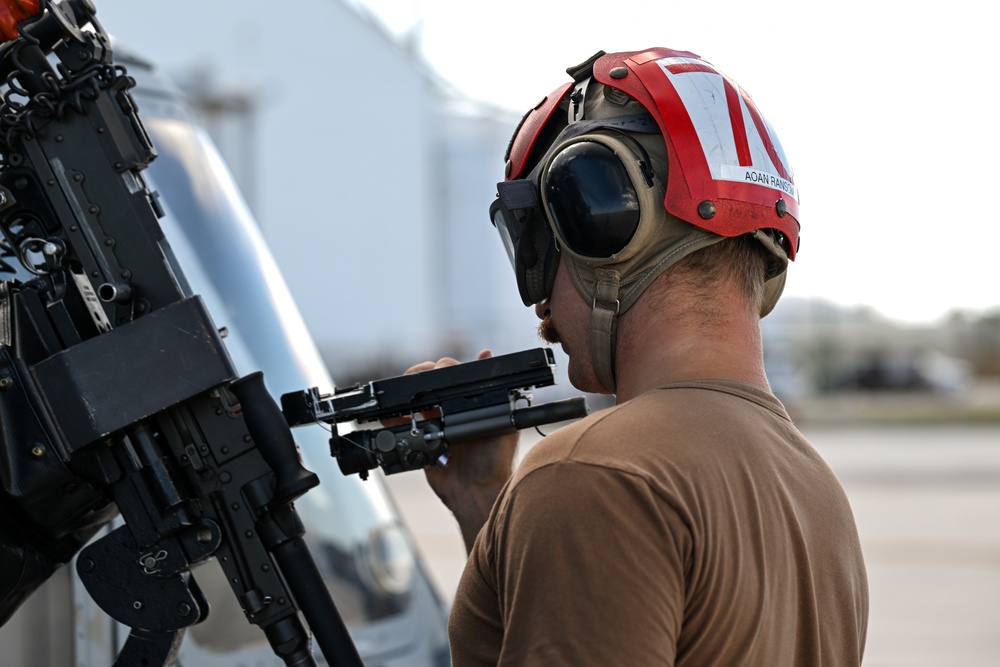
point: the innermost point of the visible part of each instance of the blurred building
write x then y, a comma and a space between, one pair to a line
812, 346
371, 180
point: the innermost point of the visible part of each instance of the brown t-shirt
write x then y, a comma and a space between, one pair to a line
692, 526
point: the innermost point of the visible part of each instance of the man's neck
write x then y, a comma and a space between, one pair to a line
659, 348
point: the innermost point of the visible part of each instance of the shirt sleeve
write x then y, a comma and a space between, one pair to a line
589, 568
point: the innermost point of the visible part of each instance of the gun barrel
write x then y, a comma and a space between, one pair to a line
328, 627
488, 422
500, 420
550, 413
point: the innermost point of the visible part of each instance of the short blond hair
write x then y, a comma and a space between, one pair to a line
741, 260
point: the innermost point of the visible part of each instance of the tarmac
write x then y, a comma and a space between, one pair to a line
927, 504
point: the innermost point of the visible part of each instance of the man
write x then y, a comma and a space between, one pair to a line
649, 212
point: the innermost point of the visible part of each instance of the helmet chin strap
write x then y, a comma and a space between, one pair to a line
604, 326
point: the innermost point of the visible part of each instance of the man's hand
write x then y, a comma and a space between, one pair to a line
476, 471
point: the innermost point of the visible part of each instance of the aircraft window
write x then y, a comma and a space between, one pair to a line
353, 532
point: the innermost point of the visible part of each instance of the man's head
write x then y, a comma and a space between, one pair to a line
643, 159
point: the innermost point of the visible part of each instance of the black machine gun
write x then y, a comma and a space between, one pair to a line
117, 394
433, 410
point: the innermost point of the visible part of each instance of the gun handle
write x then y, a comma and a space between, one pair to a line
273, 437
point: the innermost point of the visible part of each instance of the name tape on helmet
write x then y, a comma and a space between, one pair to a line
730, 172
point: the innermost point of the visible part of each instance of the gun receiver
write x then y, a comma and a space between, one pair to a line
435, 409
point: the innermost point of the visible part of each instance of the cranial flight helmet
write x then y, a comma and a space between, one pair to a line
643, 158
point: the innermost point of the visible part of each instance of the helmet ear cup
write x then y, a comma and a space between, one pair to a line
591, 199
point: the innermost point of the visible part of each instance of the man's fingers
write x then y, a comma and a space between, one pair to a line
431, 365
418, 368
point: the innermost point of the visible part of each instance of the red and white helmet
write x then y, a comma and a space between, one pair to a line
645, 157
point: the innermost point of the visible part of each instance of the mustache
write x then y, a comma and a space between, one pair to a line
547, 331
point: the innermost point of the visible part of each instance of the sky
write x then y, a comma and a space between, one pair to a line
885, 109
